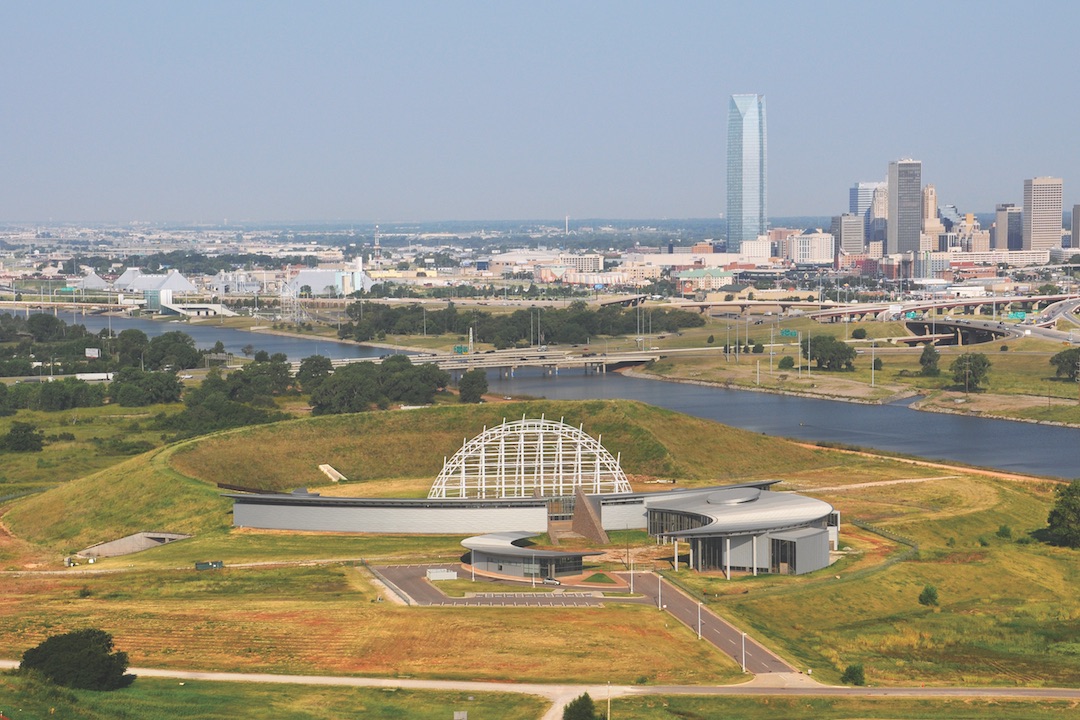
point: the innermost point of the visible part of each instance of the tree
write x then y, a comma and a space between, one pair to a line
878, 364
970, 370
175, 350
472, 386
710, 340
929, 361
580, 708
1064, 518
858, 334
928, 596
23, 437
786, 363
828, 353
83, 659
853, 675
313, 370
1066, 363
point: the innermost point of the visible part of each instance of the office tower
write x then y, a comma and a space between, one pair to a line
747, 186
861, 200
1075, 227
905, 207
849, 233
1008, 228
1042, 213
929, 204
879, 214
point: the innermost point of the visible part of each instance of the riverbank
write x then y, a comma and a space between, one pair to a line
981, 405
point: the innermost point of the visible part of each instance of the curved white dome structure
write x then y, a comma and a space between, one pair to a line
530, 458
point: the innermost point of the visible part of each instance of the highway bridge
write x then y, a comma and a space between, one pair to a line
508, 361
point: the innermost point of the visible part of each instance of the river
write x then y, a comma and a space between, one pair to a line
1002, 444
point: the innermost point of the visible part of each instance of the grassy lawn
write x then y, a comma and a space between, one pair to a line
1008, 612
158, 698
103, 436
696, 707
325, 620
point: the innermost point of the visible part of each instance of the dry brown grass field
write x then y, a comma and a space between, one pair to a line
325, 620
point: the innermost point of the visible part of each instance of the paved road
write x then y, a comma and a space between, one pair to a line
712, 628
755, 658
777, 684
411, 580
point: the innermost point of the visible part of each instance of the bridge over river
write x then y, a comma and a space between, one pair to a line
508, 361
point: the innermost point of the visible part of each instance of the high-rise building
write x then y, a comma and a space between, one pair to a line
1008, 228
747, 186
879, 214
929, 203
1042, 213
1075, 227
861, 200
849, 233
905, 206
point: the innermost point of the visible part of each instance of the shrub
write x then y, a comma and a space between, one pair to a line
928, 596
858, 334
878, 364
710, 340
580, 708
1004, 532
854, 675
786, 363
1004, 348
83, 660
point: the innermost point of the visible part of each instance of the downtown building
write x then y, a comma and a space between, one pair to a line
1008, 228
1042, 213
905, 207
747, 182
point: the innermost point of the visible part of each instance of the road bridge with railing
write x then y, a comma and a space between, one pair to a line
508, 361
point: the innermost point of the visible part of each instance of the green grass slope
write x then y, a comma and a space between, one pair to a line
413, 444
173, 489
143, 493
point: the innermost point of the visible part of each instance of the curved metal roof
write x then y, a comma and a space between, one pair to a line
744, 510
506, 543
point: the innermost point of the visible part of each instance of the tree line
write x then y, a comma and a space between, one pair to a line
574, 324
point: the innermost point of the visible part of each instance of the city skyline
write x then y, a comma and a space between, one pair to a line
383, 112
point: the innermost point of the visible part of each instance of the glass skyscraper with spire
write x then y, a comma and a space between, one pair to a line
747, 186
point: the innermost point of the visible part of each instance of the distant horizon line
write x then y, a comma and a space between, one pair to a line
556, 222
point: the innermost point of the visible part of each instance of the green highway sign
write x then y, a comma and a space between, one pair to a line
788, 333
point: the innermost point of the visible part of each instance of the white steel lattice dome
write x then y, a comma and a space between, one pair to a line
526, 458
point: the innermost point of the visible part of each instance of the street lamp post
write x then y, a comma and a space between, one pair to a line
873, 361
699, 621
744, 652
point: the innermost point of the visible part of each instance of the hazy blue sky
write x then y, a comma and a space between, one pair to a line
200, 111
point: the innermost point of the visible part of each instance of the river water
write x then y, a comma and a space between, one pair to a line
1002, 444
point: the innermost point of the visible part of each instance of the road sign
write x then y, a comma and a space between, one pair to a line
910, 315
1021, 315
784, 332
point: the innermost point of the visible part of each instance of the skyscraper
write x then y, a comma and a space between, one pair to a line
1075, 227
849, 231
1042, 213
747, 186
861, 202
879, 214
905, 206
1008, 228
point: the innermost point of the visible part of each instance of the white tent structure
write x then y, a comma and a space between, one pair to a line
530, 458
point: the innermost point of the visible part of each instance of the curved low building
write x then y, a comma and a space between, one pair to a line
502, 554
747, 528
